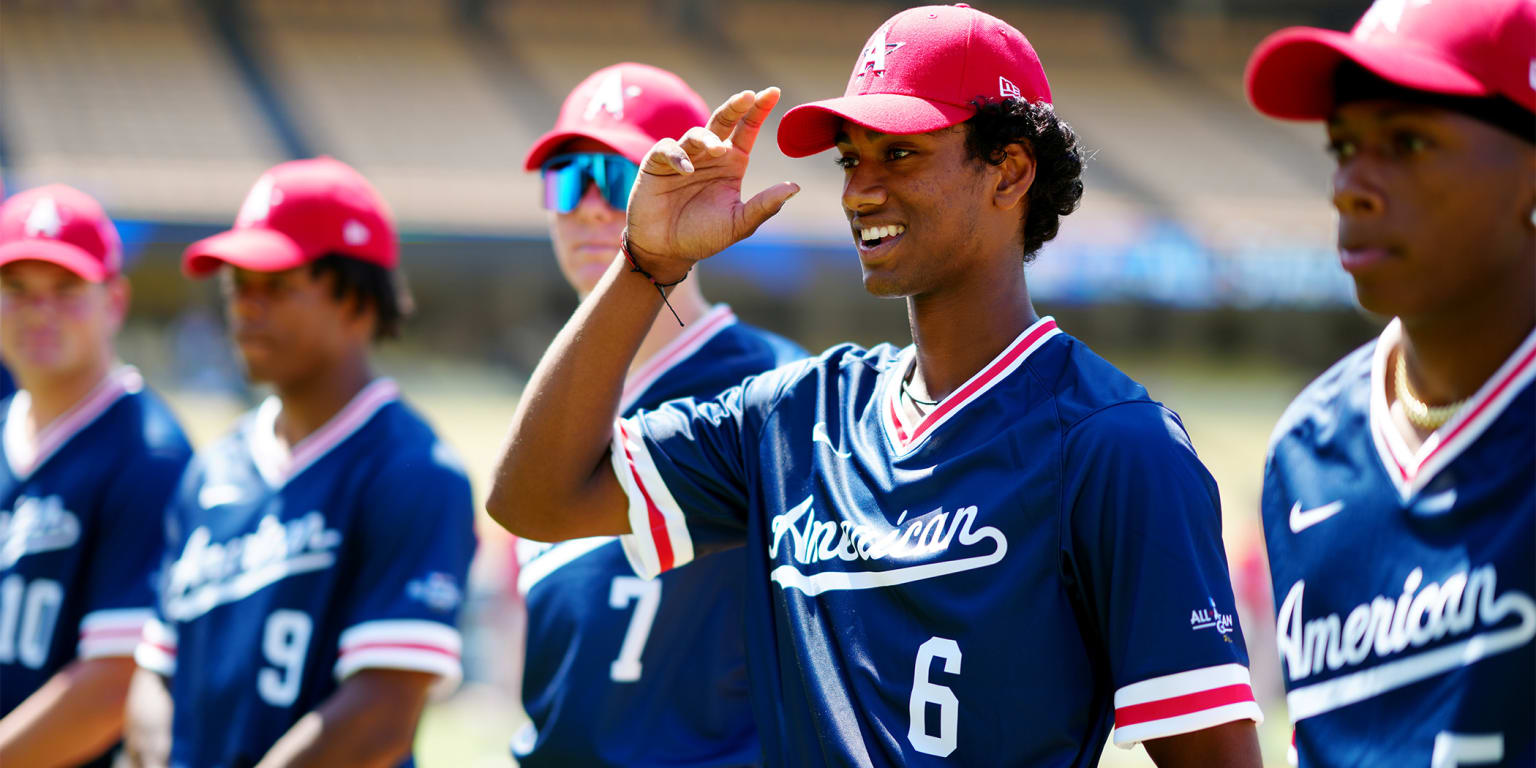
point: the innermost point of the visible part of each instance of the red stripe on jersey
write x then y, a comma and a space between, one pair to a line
659, 538
1183, 705
1482, 406
399, 646
165, 649
110, 632
956, 399
901, 434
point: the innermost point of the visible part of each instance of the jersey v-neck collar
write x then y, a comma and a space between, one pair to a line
675, 353
905, 436
1411, 470
278, 464
25, 454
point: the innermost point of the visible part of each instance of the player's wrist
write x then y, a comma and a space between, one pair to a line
658, 268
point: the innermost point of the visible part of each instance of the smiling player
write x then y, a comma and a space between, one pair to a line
316, 555
1399, 493
622, 671
88, 458
981, 549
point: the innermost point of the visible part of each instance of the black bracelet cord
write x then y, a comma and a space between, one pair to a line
660, 286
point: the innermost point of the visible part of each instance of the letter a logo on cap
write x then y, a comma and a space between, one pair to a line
258, 204
872, 58
1385, 14
609, 97
44, 220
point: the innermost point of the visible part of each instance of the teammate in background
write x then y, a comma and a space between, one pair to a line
316, 555
623, 671
984, 548
7, 384
90, 457
1399, 492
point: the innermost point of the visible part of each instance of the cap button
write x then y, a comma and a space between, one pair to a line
962, 5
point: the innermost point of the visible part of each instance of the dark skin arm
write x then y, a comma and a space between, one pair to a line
369, 722
553, 480
1234, 745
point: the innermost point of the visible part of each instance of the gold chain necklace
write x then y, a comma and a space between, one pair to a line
1421, 414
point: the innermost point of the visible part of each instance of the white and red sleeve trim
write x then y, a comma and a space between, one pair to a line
156, 650
113, 632
1182, 703
413, 644
658, 540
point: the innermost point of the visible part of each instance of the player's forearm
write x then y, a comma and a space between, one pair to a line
1229, 745
147, 727
553, 481
75, 716
370, 721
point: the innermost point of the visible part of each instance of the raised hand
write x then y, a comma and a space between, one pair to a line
686, 203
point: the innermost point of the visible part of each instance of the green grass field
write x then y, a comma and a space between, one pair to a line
1229, 408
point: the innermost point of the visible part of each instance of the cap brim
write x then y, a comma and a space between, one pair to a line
632, 145
70, 257
811, 128
256, 249
1290, 74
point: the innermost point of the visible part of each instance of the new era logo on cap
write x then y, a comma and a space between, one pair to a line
1007, 89
60, 225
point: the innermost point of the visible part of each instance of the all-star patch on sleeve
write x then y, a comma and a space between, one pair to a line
415, 544
1144, 548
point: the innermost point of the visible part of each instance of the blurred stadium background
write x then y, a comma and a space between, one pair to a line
1201, 261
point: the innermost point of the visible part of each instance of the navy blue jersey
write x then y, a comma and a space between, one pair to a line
994, 584
624, 671
288, 571
1404, 578
7, 385
81, 504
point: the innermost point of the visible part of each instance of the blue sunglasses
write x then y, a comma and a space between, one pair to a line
566, 178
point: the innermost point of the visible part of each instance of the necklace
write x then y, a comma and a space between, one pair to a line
1420, 413
914, 398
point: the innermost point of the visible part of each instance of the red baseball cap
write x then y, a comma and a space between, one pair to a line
60, 225
628, 107
1476, 48
297, 212
920, 72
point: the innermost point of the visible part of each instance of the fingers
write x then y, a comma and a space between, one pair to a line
741, 117
751, 123
726, 115
677, 156
765, 204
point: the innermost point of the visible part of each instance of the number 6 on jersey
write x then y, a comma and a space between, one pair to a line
925, 693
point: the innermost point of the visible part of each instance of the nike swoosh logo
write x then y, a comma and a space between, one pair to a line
1304, 519
819, 433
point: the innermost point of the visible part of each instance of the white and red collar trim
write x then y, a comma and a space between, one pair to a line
1412, 470
675, 352
25, 452
906, 437
278, 464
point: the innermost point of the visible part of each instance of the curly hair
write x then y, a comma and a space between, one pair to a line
370, 285
1058, 186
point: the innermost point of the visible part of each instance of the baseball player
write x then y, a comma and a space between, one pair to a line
316, 555
88, 458
619, 670
982, 549
1399, 492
